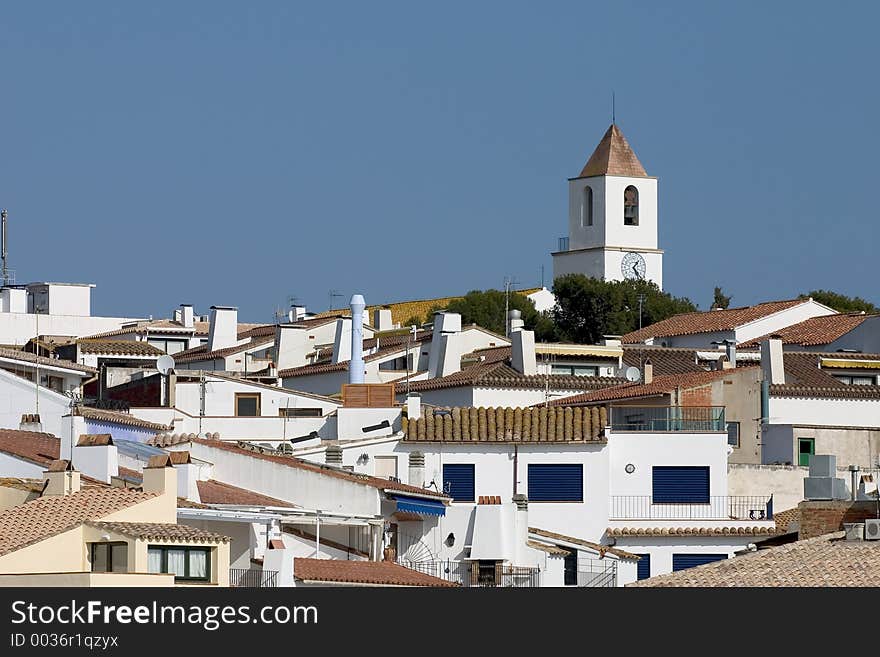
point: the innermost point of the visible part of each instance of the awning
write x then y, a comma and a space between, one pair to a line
421, 506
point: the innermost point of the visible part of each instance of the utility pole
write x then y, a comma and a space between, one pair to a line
4, 252
641, 301
508, 282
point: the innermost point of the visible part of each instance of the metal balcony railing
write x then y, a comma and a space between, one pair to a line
471, 574
563, 244
251, 578
722, 507
593, 573
668, 418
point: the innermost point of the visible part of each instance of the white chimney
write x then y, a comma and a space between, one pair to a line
446, 347
280, 560
772, 362
414, 406
187, 475
186, 316
356, 366
96, 456
522, 357
416, 469
61, 479
296, 313
290, 346
648, 375
13, 300
160, 476
514, 321
342, 340
224, 327
382, 319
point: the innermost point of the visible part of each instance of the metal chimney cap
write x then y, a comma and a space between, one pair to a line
853, 468
357, 301
514, 314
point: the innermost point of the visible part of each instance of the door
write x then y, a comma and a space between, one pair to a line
806, 448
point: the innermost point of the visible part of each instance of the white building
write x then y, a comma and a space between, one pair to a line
612, 218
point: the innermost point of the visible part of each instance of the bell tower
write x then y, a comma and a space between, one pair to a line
612, 217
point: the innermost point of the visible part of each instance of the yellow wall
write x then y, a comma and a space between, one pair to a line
63, 552
86, 579
10, 497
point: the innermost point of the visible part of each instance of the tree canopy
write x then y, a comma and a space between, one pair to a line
720, 301
841, 302
589, 308
486, 308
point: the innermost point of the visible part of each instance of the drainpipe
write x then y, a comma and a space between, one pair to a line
317, 533
515, 465
765, 401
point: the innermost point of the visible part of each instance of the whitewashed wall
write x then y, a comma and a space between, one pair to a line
18, 328
825, 412
19, 396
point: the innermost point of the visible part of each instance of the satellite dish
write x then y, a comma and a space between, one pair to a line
633, 374
164, 364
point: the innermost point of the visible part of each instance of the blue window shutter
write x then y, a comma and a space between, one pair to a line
682, 561
682, 484
562, 482
644, 566
458, 481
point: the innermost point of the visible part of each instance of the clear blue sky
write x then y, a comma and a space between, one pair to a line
239, 153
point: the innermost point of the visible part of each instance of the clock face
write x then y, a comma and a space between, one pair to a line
633, 266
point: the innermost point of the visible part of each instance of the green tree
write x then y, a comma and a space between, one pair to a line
720, 301
589, 308
840, 302
486, 308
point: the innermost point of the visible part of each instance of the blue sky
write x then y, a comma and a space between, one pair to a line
241, 153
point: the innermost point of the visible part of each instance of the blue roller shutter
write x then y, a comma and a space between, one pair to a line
644, 566
682, 561
681, 484
562, 482
458, 481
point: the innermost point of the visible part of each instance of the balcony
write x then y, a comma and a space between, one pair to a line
251, 578
471, 574
696, 419
723, 507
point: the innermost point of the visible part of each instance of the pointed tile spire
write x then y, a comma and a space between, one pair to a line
613, 157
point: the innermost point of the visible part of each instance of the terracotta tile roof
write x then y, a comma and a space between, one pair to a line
666, 360
519, 425
826, 560
218, 492
489, 499
383, 573
804, 378
815, 331
601, 549
843, 391
117, 417
613, 157
123, 347
44, 517
326, 364
39, 448
201, 352
132, 476
30, 485
787, 520
661, 385
693, 531
183, 503
549, 549
709, 321
301, 464
26, 357
169, 326
161, 531
94, 440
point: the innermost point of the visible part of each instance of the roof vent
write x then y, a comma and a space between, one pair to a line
333, 455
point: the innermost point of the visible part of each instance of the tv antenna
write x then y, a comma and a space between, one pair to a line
333, 294
509, 281
4, 253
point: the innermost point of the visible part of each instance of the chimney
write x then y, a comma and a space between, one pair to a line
417, 469
333, 456
160, 476
96, 456
522, 356
521, 523
342, 340
224, 328
445, 356
280, 559
187, 475
648, 375
13, 300
290, 346
356, 365
296, 313
822, 484
30, 422
186, 316
854, 482
61, 479
514, 321
414, 406
382, 319
772, 362
730, 350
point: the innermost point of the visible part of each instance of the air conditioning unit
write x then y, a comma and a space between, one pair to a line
872, 529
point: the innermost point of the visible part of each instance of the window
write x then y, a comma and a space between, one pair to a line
806, 448
247, 404
856, 380
687, 484
733, 434
630, 206
109, 557
300, 412
556, 482
643, 567
587, 207
397, 364
458, 481
683, 561
571, 569
186, 563
168, 346
574, 370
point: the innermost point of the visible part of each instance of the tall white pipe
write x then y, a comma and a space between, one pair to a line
356, 364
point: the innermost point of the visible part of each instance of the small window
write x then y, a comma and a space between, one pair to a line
185, 563
631, 206
587, 207
806, 448
574, 370
109, 557
733, 434
300, 412
458, 481
556, 482
247, 404
643, 568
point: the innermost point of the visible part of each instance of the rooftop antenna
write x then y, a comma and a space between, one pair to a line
4, 252
613, 118
508, 282
542, 276
333, 294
